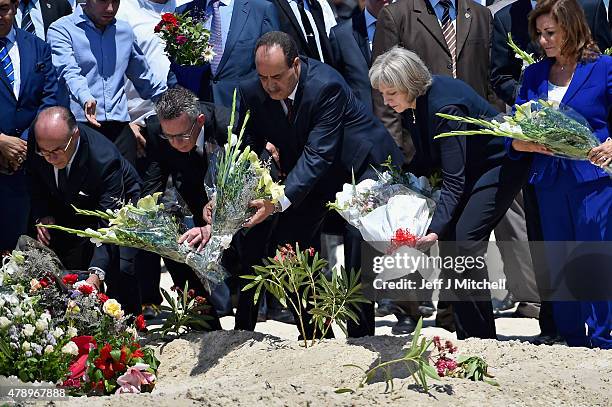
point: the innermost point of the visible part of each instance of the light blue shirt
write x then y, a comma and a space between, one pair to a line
91, 64
35, 15
226, 8
439, 10
370, 25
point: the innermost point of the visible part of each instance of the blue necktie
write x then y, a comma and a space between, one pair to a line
216, 37
26, 18
6, 62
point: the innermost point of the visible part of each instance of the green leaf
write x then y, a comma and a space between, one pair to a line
115, 354
430, 371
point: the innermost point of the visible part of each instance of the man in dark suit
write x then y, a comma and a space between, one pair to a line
177, 139
23, 93
239, 27
510, 16
322, 134
351, 43
70, 165
417, 25
303, 21
35, 16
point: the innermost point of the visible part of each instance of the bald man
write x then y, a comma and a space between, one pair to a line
72, 164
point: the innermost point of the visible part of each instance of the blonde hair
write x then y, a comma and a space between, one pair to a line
401, 69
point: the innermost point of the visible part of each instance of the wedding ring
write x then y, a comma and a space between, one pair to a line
19, 160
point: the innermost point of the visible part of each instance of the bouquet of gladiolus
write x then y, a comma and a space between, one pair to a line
187, 41
563, 131
389, 212
527, 58
240, 177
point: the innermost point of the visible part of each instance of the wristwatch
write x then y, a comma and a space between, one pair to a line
277, 207
98, 272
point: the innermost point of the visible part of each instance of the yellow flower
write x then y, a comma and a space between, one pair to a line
113, 308
276, 192
149, 202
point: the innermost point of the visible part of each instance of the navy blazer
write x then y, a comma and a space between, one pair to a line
352, 55
250, 20
38, 88
331, 133
99, 179
589, 94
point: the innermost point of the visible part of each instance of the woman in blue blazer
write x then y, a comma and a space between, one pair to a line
574, 197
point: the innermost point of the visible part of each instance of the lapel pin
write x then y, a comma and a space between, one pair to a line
48, 5
467, 15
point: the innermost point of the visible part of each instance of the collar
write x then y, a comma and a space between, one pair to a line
434, 3
292, 95
533, 3
224, 2
76, 150
79, 17
11, 36
33, 2
369, 18
200, 141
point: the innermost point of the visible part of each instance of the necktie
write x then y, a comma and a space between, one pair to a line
62, 180
310, 34
26, 19
216, 37
449, 34
289, 105
6, 62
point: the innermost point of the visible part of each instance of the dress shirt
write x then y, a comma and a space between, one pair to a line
13, 52
143, 16
296, 11
92, 64
283, 200
226, 8
439, 10
56, 171
370, 21
35, 15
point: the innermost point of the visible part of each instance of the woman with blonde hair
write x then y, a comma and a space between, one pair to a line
478, 181
574, 197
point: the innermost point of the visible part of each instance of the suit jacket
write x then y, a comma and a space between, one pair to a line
53, 10
462, 159
290, 25
413, 24
250, 20
331, 133
589, 94
188, 170
512, 18
99, 179
38, 88
352, 55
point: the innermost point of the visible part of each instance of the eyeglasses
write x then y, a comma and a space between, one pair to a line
55, 152
179, 137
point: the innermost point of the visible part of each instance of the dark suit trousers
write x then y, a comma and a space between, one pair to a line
121, 135
485, 204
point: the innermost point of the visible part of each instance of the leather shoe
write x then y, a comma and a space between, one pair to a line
386, 307
280, 315
405, 325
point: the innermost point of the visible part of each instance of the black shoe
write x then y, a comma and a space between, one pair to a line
545, 339
280, 315
426, 309
503, 305
150, 311
261, 317
386, 307
527, 310
405, 325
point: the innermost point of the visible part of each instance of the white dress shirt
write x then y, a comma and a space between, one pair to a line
13, 52
35, 15
56, 171
296, 11
283, 200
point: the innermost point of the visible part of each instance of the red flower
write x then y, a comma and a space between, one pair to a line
200, 300
141, 325
86, 289
158, 27
170, 19
76, 383
180, 39
102, 297
138, 353
79, 366
44, 282
70, 279
109, 366
311, 251
191, 293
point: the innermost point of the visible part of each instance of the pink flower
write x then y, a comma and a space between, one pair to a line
181, 39
134, 377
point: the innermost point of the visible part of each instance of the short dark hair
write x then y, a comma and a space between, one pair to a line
282, 40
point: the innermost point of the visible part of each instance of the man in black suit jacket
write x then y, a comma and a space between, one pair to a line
510, 16
177, 138
322, 134
41, 11
352, 49
292, 23
72, 164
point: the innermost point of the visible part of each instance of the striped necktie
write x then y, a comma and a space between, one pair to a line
449, 34
26, 18
216, 36
6, 62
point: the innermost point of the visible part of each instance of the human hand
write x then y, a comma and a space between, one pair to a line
42, 233
424, 243
207, 212
530, 147
141, 142
602, 154
90, 112
263, 209
196, 236
14, 150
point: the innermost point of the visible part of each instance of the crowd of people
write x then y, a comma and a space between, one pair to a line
94, 113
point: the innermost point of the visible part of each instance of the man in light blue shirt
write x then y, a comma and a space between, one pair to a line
93, 52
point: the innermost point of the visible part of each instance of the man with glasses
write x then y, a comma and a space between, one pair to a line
70, 165
178, 138
28, 83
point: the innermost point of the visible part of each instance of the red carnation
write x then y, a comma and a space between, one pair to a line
102, 297
158, 27
170, 18
141, 325
180, 39
86, 289
44, 282
70, 279
138, 353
